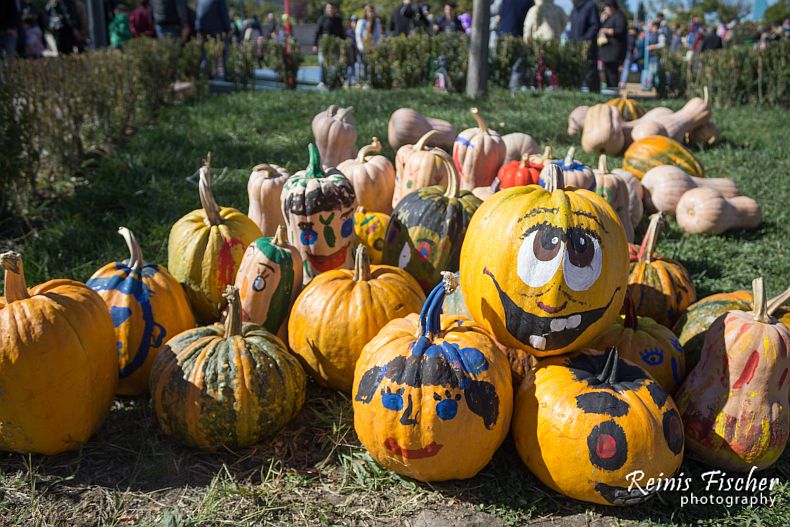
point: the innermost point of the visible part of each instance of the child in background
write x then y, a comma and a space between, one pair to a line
120, 31
34, 38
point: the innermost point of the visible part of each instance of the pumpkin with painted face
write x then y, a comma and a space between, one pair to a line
370, 228
544, 270
583, 422
205, 248
318, 206
427, 228
432, 395
147, 306
269, 279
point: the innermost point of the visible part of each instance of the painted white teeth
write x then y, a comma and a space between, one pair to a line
558, 324
574, 321
537, 342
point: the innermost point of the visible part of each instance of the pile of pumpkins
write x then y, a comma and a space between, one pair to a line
426, 289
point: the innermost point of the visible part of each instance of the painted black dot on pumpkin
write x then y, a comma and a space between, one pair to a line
657, 393
608, 446
603, 403
673, 431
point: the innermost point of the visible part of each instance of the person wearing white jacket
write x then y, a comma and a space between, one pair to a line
366, 35
544, 21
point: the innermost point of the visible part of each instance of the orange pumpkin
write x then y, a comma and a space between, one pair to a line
519, 173
373, 178
478, 153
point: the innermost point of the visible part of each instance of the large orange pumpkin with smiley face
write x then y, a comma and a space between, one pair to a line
545, 270
432, 394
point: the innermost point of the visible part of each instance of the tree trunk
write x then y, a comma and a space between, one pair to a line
477, 76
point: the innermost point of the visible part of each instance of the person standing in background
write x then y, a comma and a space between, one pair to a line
140, 21
212, 20
64, 24
449, 21
512, 15
9, 20
584, 27
329, 23
171, 18
270, 27
675, 40
119, 29
403, 19
544, 21
614, 38
367, 35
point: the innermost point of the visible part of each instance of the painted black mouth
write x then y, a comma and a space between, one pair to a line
533, 329
621, 495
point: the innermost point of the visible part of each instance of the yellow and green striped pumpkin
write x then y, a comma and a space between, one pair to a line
226, 385
630, 109
657, 150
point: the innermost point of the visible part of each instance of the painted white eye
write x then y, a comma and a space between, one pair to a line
540, 256
404, 257
259, 284
582, 264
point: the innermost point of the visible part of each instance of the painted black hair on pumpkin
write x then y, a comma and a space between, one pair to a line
432, 370
325, 198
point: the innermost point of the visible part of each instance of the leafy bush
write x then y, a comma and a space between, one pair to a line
451, 52
337, 53
275, 57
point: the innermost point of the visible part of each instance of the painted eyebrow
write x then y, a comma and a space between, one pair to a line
346, 214
267, 266
588, 232
304, 224
433, 244
535, 212
591, 216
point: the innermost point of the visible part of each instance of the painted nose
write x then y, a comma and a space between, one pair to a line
406, 418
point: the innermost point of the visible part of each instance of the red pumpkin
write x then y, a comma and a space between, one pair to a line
519, 173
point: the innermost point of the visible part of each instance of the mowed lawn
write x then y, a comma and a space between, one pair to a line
315, 471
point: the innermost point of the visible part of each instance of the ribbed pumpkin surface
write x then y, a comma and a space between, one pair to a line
657, 150
629, 108
210, 391
660, 289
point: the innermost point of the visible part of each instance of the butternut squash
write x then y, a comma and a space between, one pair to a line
708, 134
667, 183
576, 120
603, 130
705, 210
629, 126
695, 113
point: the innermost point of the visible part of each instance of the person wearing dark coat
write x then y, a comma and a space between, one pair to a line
10, 17
615, 29
584, 26
171, 18
329, 23
512, 15
711, 41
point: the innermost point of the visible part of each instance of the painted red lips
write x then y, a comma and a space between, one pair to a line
330, 261
420, 453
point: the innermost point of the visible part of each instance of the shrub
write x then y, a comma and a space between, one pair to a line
274, 56
337, 54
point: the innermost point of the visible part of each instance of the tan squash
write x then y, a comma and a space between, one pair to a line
478, 153
518, 145
576, 120
635, 195
574, 173
407, 126
417, 166
667, 183
373, 178
603, 130
335, 135
694, 114
628, 126
708, 134
615, 191
264, 188
706, 211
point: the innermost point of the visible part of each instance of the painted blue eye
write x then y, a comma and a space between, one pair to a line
652, 357
392, 400
447, 408
308, 237
347, 228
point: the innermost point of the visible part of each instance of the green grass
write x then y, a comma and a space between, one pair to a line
315, 472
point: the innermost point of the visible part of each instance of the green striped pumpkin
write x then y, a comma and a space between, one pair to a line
657, 150
226, 385
427, 227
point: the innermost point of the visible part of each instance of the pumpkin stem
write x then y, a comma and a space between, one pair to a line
269, 172
602, 166
314, 169
135, 252
206, 196
778, 301
607, 367
524, 161
569, 156
760, 308
450, 281
613, 374
553, 177
705, 96
625, 95
332, 109
424, 139
233, 320
480, 122
15, 287
374, 146
279, 237
631, 320
362, 264
453, 177
430, 317
343, 113
651, 236
547, 153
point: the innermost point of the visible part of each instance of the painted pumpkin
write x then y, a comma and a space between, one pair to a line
432, 395
373, 178
340, 311
734, 403
58, 363
318, 207
478, 153
630, 109
417, 166
583, 422
615, 191
205, 249
147, 306
335, 134
648, 344
574, 173
226, 385
269, 279
427, 227
544, 270
370, 228
519, 173
263, 189
657, 150
692, 327
660, 288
